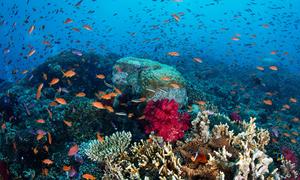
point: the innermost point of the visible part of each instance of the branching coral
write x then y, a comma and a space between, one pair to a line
111, 147
164, 119
156, 158
231, 156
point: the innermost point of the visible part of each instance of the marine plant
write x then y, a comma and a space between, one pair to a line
164, 119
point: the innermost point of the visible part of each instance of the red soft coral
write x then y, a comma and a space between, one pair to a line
289, 155
164, 119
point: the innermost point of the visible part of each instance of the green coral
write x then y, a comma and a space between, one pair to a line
111, 147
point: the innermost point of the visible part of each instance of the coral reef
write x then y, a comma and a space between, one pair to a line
164, 119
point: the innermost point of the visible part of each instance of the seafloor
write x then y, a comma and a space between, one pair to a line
105, 117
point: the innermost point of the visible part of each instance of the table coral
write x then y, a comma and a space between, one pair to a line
164, 119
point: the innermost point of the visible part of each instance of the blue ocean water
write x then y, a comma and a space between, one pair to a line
239, 57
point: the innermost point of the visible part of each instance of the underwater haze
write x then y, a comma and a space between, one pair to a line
157, 89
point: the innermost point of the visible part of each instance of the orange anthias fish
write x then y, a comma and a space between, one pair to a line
49, 138
61, 101
260, 68
175, 86
87, 27
99, 137
41, 121
68, 20
98, 105
54, 81
268, 102
66, 168
69, 73
100, 76
273, 68
68, 123
198, 60
39, 91
109, 109
31, 52
80, 94
31, 29
173, 54
73, 150
176, 17
165, 78
88, 177
293, 100
47, 161
199, 158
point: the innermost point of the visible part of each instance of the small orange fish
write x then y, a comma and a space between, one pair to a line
293, 100
273, 68
294, 141
100, 76
273, 52
69, 74
260, 68
118, 91
31, 29
109, 109
68, 123
268, 102
46, 148
99, 137
39, 91
98, 105
235, 38
68, 20
25, 71
61, 101
201, 102
41, 121
176, 54
295, 120
88, 177
198, 60
66, 168
87, 27
175, 86
53, 103
165, 78
54, 81
47, 161
39, 136
31, 52
35, 150
286, 106
73, 150
176, 17
49, 138
199, 158
80, 94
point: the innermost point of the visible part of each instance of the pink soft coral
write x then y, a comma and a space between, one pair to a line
164, 119
289, 155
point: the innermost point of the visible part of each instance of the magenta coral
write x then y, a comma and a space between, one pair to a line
164, 119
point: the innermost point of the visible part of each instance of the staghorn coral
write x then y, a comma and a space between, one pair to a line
111, 147
153, 159
288, 170
156, 158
